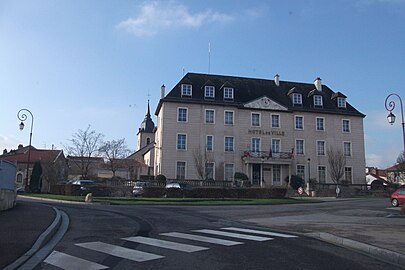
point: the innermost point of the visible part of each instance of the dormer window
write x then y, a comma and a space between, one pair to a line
341, 102
186, 90
318, 101
297, 99
209, 92
228, 93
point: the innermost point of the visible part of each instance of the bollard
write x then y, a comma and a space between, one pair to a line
89, 198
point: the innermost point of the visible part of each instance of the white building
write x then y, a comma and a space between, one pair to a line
211, 126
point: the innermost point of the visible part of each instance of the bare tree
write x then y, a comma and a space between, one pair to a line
337, 163
401, 162
84, 145
200, 160
114, 151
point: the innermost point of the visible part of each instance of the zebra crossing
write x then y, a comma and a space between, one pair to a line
201, 236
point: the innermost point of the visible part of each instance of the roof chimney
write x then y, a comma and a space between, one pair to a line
277, 79
318, 84
5, 151
162, 91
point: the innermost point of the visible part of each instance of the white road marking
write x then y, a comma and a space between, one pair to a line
165, 244
68, 262
126, 253
235, 235
259, 232
202, 239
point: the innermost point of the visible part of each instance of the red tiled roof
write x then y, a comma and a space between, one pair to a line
35, 155
395, 167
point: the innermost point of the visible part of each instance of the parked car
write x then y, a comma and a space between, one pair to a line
179, 185
177, 190
85, 185
139, 188
20, 190
398, 197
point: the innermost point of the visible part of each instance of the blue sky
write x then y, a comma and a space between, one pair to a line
75, 63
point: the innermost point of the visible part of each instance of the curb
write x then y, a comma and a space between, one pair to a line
40, 242
378, 253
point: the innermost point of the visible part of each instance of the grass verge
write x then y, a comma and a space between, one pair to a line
174, 201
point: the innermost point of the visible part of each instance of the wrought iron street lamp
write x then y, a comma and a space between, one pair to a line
390, 106
22, 116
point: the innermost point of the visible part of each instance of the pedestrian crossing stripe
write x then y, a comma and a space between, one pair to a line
69, 262
165, 244
259, 232
200, 238
126, 253
235, 235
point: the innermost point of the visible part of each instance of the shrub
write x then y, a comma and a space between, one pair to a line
160, 177
295, 181
241, 176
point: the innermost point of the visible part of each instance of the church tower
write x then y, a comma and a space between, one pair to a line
146, 133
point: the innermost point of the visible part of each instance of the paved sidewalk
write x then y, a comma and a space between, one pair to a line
20, 227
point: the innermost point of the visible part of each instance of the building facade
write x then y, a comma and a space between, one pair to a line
211, 126
53, 163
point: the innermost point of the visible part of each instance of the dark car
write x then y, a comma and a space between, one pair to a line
85, 185
177, 190
179, 185
398, 197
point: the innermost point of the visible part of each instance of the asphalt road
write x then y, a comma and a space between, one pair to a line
97, 231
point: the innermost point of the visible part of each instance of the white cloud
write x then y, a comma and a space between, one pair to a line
8, 143
155, 17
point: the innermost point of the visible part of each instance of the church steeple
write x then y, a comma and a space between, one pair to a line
147, 125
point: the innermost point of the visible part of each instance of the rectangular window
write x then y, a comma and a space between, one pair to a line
322, 174
276, 175
320, 148
299, 146
209, 170
255, 145
209, 91
348, 174
209, 116
275, 145
301, 171
228, 118
181, 142
297, 99
346, 125
182, 115
275, 121
228, 93
229, 172
299, 122
228, 144
186, 90
320, 123
210, 143
180, 170
347, 149
255, 120
318, 101
341, 102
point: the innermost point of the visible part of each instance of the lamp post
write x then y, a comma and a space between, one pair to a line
22, 116
390, 106
309, 174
